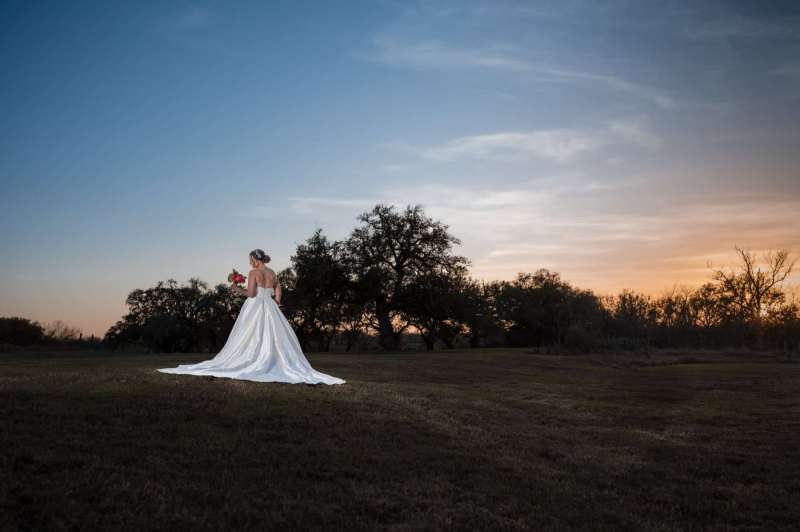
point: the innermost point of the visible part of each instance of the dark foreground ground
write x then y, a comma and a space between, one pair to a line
492, 439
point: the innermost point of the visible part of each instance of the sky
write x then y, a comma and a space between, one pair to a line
623, 144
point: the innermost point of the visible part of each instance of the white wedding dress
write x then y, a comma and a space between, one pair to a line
262, 347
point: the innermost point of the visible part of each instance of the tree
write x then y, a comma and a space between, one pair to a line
634, 315
59, 331
707, 307
320, 291
431, 306
540, 309
216, 311
752, 292
476, 309
171, 317
20, 331
583, 320
390, 253
355, 321
676, 317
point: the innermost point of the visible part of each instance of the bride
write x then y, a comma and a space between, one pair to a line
262, 346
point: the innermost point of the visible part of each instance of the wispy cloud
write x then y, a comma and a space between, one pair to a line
644, 92
436, 55
647, 251
303, 205
559, 145
789, 71
736, 26
431, 54
526, 226
556, 145
310, 204
636, 132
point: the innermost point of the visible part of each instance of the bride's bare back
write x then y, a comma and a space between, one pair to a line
265, 278
261, 276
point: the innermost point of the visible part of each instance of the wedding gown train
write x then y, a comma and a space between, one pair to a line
262, 347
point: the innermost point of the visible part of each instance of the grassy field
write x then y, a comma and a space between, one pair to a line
486, 439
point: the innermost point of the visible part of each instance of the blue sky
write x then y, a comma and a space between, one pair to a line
621, 143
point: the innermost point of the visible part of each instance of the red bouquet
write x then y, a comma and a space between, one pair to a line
236, 277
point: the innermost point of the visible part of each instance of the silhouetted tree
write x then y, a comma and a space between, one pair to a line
168, 317
540, 309
584, 320
216, 311
675, 318
20, 331
390, 253
633, 316
431, 305
320, 291
397, 272
707, 307
782, 325
58, 331
476, 309
752, 292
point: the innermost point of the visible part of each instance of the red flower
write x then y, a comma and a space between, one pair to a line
236, 277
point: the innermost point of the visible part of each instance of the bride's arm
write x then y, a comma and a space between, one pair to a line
251, 289
252, 286
278, 292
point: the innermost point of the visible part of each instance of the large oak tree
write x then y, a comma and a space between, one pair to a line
388, 255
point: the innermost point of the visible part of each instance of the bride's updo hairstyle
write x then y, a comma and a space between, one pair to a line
259, 254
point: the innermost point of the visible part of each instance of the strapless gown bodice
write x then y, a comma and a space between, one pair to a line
265, 292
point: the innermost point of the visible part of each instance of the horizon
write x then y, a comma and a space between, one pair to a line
621, 145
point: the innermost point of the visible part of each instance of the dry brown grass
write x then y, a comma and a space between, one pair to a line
487, 439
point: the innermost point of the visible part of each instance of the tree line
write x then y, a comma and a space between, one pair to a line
396, 281
18, 332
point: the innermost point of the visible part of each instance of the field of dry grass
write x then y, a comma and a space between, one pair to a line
485, 439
